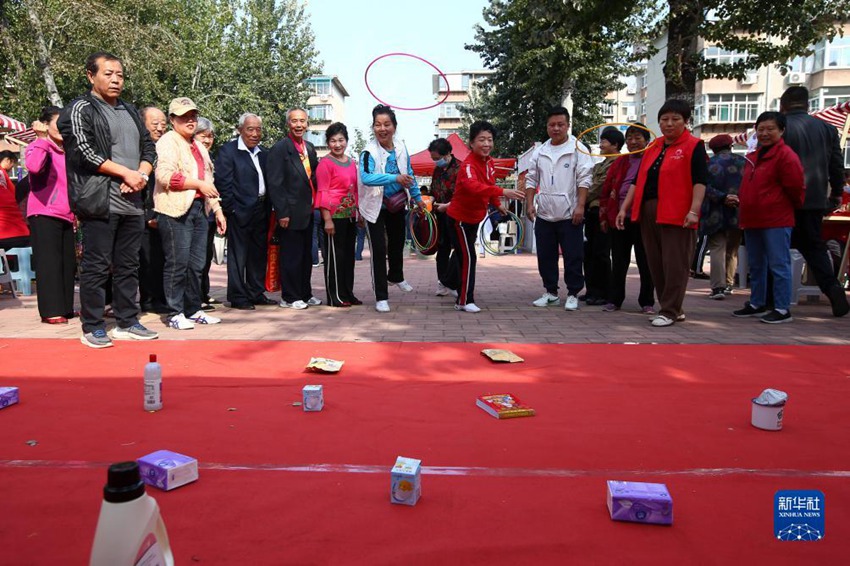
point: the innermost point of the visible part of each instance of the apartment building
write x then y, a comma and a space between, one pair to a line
731, 106
461, 89
325, 106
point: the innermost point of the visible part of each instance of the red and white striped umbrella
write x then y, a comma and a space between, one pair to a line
834, 115
10, 124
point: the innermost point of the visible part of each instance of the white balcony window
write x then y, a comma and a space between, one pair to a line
722, 56
730, 108
316, 138
320, 86
607, 108
320, 113
450, 110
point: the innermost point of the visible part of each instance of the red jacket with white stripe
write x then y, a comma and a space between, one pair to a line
475, 187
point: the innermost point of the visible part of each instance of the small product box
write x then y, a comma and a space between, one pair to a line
313, 398
640, 502
167, 470
8, 396
406, 483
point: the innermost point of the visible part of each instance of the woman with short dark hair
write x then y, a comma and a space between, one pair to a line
336, 199
772, 188
443, 180
667, 197
51, 223
386, 185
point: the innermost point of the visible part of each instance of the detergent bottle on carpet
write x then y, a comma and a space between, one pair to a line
130, 530
153, 385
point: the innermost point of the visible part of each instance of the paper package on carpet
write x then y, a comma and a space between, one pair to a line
505, 356
640, 502
406, 485
9, 396
324, 365
167, 470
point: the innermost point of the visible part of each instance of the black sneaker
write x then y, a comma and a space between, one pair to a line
727, 290
776, 317
717, 294
749, 310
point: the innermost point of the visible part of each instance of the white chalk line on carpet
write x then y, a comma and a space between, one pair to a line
455, 470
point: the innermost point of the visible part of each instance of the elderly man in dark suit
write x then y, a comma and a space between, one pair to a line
240, 176
292, 187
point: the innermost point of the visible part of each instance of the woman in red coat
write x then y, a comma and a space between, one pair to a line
772, 188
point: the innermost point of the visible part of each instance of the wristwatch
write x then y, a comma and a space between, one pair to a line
144, 176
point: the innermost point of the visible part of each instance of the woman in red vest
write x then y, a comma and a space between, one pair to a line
668, 194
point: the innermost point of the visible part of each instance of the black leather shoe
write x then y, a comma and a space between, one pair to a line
242, 306
265, 301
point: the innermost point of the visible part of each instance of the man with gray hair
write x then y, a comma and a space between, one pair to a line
240, 176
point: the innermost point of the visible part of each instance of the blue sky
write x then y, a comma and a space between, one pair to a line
349, 35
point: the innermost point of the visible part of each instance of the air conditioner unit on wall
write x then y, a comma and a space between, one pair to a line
324, 97
631, 118
631, 90
795, 78
751, 78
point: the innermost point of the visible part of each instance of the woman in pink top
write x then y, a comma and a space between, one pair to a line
336, 198
51, 223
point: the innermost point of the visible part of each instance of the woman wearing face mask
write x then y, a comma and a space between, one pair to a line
52, 223
382, 193
336, 199
442, 189
773, 186
667, 197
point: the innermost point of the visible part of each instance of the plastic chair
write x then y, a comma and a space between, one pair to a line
24, 275
507, 235
6, 273
798, 265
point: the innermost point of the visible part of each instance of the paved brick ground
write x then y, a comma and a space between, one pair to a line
506, 286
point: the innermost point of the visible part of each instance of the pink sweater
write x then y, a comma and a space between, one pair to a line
48, 188
337, 187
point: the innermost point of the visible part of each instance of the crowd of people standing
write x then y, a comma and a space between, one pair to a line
150, 200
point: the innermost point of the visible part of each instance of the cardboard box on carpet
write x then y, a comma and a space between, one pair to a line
167, 470
9, 396
406, 482
640, 502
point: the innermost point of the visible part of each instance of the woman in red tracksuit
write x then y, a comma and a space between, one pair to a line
475, 187
773, 186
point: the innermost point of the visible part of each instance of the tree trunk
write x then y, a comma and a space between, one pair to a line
680, 68
44, 58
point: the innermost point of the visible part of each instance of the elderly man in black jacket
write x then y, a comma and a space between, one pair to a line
109, 157
240, 176
292, 186
817, 145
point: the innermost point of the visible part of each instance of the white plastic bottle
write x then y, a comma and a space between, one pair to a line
153, 385
130, 531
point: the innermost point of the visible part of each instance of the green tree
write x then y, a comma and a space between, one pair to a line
769, 32
359, 143
229, 56
545, 51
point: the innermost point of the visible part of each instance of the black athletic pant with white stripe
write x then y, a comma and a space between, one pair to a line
465, 259
339, 261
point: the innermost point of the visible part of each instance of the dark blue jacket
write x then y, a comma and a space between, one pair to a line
237, 181
724, 178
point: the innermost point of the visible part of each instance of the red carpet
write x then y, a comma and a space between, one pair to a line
279, 486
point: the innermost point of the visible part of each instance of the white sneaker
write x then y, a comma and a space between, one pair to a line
405, 286
442, 290
382, 306
297, 305
548, 299
180, 322
314, 302
468, 307
201, 317
571, 304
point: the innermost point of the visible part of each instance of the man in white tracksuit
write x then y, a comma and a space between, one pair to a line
560, 176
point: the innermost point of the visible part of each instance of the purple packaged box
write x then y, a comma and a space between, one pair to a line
8, 396
167, 470
640, 502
